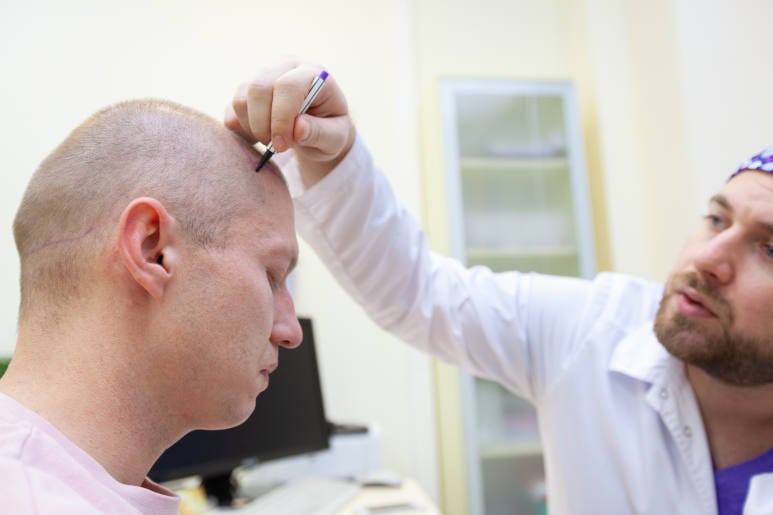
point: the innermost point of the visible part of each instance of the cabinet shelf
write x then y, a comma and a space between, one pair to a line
478, 253
508, 450
486, 163
517, 197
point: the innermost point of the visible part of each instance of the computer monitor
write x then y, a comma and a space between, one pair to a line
289, 419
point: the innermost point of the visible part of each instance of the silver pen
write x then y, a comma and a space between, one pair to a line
314, 90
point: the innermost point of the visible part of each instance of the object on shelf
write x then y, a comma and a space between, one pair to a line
517, 229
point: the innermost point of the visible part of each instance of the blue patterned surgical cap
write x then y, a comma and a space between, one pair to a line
762, 162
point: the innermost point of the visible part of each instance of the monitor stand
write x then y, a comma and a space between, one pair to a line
226, 491
223, 488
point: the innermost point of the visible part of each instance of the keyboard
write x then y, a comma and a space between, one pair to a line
306, 496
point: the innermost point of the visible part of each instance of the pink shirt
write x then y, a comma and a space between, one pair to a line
41, 472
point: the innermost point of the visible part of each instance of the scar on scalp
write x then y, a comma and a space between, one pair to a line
51, 243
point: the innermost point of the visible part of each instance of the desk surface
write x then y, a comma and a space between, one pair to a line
407, 498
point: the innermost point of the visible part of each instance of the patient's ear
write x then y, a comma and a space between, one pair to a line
144, 236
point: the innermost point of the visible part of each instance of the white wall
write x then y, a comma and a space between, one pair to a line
682, 97
726, 86
61, 61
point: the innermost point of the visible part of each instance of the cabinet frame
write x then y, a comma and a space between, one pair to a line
450, 88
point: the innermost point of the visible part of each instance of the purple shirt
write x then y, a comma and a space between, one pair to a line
732, 483
44, 472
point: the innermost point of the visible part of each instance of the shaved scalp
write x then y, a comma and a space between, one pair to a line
191, 163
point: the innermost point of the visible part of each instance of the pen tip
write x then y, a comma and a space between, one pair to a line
263, 160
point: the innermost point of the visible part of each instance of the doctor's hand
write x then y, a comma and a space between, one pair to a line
266, 109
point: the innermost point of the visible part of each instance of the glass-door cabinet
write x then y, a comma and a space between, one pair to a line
518, 200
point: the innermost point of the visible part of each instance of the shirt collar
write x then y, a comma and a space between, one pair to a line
641, 356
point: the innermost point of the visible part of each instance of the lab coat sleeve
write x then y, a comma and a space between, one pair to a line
470, 317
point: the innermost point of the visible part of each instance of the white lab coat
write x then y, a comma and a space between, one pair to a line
620, 426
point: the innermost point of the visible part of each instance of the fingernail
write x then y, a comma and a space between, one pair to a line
279, 143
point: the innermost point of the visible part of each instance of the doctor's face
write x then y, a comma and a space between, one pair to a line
717, 308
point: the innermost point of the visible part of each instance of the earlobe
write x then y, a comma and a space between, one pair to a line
143, 237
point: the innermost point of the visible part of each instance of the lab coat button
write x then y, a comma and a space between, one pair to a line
664, 393
687, 431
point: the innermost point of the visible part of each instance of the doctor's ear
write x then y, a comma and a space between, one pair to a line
144, 236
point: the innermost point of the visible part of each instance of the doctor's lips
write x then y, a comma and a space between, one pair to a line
697, 299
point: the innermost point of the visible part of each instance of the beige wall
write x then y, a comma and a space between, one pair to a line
60, 61
680, 100
725, 85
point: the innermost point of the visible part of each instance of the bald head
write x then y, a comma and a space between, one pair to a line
189, 162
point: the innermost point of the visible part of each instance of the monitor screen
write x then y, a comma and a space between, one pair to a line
289, 419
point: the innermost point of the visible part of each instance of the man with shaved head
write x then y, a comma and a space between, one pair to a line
153, 302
